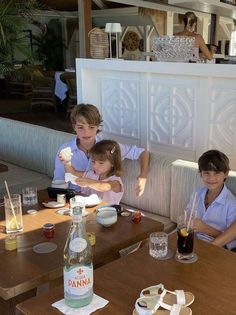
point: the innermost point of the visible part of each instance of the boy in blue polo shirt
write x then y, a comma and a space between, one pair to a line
215, 207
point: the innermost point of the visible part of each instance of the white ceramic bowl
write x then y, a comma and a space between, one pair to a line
106, 215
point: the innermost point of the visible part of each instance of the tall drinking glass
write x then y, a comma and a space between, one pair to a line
185, 238
13, 213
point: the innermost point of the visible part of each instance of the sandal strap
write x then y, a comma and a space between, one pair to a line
157, 287
175, 310
180, 296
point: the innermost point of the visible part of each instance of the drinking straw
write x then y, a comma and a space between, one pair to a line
11, 204
191, 213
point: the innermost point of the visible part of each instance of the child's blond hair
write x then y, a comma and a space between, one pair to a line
89, 112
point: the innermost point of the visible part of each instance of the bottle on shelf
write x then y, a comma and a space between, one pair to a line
78, 265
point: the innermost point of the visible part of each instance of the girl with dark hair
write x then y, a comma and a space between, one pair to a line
104, 177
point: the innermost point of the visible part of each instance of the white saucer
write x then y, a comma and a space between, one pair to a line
187, 261
64, 211
53, 204
44, 248
32, 211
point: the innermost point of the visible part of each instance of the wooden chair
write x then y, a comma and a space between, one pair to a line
70, 79
43, 92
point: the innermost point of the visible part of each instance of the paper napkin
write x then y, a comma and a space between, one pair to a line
97, 302
70, 178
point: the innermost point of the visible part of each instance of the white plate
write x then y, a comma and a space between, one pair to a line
53, 204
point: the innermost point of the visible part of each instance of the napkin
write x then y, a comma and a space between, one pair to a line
70, 178
89, 200
97, 302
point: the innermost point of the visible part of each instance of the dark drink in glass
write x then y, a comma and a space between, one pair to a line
185, 241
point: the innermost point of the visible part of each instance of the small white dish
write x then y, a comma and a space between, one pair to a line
64, 211
53, 204
106, 215
32, 211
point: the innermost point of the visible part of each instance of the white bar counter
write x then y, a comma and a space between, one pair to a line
180, 109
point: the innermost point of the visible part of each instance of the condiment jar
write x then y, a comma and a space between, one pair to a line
11, 242
92, 238
49, 230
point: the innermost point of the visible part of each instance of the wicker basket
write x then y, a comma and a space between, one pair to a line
99, 47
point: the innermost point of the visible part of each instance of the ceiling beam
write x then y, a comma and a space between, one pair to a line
100, 4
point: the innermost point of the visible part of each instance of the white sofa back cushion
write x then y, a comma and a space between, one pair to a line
30, 146
156, 197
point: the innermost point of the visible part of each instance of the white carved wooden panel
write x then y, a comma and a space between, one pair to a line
120, 106
172, 113
171, 108
222, 118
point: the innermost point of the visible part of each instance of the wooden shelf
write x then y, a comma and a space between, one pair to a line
207, 6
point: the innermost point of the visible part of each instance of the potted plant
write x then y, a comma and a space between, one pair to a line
14, 16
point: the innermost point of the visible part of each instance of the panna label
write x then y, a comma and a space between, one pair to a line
79, 280
78, 244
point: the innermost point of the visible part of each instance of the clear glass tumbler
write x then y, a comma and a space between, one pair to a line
158, 244
29, 196
13, 213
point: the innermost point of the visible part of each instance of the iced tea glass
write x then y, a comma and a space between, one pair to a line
185, 238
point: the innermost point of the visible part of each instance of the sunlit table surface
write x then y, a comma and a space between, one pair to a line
23, 269
212, 280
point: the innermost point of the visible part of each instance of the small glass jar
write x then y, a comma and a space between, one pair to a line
49, 230
11, 242
136, 216
92, 238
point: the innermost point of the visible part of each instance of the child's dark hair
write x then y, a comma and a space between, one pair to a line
89, 112
213, 160
108, 150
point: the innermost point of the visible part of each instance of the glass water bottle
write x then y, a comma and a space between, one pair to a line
78, 265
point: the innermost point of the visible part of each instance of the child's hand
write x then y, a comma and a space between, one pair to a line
199, 225
65, 162
140, 186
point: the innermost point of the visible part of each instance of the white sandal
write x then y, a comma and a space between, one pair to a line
155, 306
179, 297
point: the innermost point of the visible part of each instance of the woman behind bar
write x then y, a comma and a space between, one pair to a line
190, 25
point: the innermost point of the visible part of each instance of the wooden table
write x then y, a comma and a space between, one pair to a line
212, 279
3, 168
23, 270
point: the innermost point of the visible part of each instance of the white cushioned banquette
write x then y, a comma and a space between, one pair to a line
29, 151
